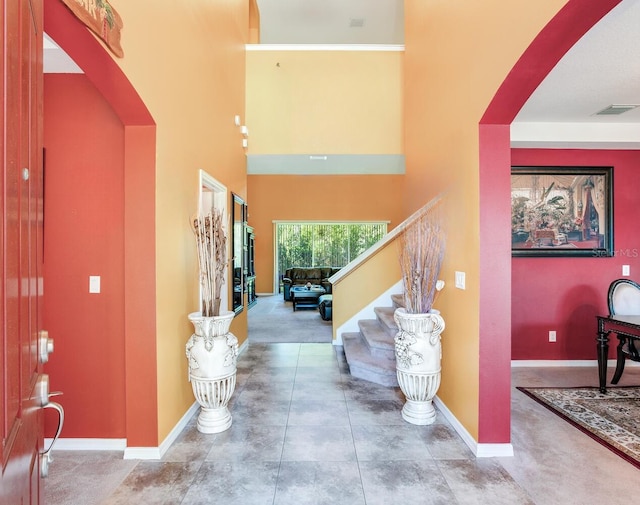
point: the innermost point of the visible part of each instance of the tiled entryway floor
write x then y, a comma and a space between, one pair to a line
305, 432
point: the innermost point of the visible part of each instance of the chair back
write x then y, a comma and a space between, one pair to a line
624, 298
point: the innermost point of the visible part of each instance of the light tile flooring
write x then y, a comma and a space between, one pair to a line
306, 432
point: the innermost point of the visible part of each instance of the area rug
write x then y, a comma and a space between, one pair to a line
272, 320
613, 418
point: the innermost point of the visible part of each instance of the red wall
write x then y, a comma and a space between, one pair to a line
565, 294
84, 215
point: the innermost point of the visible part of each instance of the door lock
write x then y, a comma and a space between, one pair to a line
45, 346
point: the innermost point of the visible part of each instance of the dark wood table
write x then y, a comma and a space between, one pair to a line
626, 327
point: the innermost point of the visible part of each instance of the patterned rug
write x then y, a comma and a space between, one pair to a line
613, 419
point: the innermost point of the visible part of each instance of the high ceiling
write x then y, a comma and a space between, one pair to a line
599, 71
331, 21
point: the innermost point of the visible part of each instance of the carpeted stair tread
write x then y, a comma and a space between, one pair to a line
398, 300
377, 339
365, 366
385, 316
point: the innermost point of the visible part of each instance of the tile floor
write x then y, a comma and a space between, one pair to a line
306, 432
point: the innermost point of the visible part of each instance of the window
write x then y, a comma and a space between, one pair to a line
300, 244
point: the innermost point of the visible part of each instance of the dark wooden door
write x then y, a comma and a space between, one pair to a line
21, 194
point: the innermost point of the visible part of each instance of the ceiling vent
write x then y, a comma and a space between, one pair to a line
614, 110
356, 22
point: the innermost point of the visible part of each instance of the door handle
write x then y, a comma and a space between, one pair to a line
45, 346
42, 396
45, 457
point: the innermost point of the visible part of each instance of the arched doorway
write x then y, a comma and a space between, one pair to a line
568, 26
139, 216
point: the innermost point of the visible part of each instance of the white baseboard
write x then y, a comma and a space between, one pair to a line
158, 452
120, 444
87, 444
521, 363
479, 450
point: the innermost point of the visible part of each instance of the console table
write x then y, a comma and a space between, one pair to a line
626, 327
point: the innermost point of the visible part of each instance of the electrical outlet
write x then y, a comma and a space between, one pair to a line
626, 270
552, 336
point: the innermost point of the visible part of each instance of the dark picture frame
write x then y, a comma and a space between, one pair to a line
562, 211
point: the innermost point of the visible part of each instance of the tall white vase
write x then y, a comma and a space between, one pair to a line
418, 355
212, 353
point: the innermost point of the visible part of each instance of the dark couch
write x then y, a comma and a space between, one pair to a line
299, 276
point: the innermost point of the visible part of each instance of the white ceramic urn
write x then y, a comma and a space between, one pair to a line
418, 363
212, 353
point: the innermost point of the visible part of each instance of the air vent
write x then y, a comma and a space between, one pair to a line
356, 22
614, 110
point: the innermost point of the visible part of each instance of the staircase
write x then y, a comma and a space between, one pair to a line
370, 352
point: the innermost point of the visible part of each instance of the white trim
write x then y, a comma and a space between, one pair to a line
219, 199
574, 135
158, 452
479, 450
494, 451
243, 347
120, 444
87, 444
325, 47
521, 363
351, 325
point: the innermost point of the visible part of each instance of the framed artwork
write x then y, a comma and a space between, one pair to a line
562, 211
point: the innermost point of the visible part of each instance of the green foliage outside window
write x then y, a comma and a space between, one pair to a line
323, 244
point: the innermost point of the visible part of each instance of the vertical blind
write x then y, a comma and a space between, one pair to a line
323, 244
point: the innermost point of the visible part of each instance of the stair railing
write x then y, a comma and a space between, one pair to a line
373, 273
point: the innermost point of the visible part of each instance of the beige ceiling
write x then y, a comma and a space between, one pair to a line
331, 21
602, 69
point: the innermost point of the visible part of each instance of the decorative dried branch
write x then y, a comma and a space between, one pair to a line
421, 252
211, 243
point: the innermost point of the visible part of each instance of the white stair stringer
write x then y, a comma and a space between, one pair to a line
370, 349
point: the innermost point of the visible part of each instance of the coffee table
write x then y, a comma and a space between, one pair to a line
303, 297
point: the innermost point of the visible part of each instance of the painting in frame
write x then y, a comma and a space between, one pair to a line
562, 211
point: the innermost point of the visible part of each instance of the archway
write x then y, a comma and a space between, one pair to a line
139, 216
568, 26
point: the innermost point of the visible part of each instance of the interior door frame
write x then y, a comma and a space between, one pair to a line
213, 194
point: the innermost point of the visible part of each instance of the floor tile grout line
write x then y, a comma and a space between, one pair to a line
286, 427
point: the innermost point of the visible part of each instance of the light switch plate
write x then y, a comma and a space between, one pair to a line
94, 284
626, 270
460, 280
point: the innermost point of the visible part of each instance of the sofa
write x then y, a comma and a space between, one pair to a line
299, 276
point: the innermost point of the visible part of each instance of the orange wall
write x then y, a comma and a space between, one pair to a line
338, 102
316, 198
186, 60
84, 212
456, 57
179, 119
